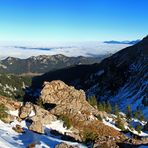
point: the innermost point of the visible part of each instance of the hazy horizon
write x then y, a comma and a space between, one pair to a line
86, 49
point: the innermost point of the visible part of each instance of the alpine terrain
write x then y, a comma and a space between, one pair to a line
100, 105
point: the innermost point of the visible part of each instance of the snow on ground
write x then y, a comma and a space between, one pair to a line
58, 126
32, 113
10, 139
136, 122
110, 123
13, 113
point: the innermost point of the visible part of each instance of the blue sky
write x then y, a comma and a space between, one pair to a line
73, 20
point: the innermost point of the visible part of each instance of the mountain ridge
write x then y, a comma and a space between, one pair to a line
123, 42
44, 63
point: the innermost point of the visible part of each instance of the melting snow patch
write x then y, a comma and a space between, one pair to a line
58, 125
109, 123
11, 139
14, 113
32, 113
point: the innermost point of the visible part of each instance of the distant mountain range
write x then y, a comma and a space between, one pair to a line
44, 63
122, 42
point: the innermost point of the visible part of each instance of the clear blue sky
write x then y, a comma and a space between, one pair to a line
73, 20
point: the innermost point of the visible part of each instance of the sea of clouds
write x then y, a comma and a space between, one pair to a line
27, 49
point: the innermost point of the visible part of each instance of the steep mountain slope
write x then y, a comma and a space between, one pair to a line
71, 123
121, 78
43, 63
74, 75
13, 86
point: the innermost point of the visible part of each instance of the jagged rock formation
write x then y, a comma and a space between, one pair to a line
64, 145
37, 115
66, 99
37, 126
105, 142
25, 110
10, 103
72, 103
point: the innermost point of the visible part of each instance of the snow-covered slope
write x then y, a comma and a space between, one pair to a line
130, 126
123, 78
11, 139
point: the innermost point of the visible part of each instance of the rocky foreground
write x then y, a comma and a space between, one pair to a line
62, 113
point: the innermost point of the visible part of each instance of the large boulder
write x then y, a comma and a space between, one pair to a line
18, 129
64, 145
37, 116
67, 100
9, 103
36, 113
37, 126
25, 110
105, 142
9, 118
44, 116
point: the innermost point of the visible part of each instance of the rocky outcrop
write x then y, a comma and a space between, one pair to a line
44, 116
105, 142
67, 100
9, 103
72, 103
18, 129
25, 110
9, 118
64, 145
37, 126
36, 113
37, 116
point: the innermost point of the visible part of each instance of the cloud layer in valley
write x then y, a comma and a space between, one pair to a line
25, 50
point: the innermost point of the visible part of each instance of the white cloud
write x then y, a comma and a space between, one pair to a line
69, 49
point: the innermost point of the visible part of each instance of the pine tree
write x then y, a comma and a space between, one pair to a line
141, 118
93, 101
100, 107
135, 114
138, 115
128, 112
104, 106
39, 102
138, 128
119, 123
109, 107
116, 110
3, 113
